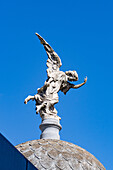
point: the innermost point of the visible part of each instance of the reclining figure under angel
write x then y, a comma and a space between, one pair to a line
47, 96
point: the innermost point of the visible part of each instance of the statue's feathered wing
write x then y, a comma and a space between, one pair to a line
54, 61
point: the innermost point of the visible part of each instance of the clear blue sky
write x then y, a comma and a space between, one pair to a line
81, 32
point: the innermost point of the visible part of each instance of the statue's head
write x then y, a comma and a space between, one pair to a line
71, 75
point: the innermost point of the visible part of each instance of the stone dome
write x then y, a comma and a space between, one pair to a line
54, 154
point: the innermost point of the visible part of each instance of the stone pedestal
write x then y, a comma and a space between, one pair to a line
50, 128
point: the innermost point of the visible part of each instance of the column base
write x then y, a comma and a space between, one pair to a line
50, 128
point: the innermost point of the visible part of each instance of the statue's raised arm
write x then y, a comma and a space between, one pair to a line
47, 96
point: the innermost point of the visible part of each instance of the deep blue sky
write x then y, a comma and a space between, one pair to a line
81, 32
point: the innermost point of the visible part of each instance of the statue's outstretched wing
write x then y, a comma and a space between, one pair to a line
53, 62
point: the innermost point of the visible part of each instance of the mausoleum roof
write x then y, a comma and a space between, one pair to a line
54, 154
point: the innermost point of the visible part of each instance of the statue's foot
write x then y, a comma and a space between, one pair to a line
28, 98
25, 102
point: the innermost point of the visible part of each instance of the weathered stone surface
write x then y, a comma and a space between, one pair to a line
58, 155
50, 128
47, 96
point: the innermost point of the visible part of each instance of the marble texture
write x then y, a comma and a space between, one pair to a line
47, 96
50, 129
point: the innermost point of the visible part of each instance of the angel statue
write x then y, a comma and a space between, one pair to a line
47, 96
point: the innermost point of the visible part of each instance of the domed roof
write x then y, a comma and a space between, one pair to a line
54, 154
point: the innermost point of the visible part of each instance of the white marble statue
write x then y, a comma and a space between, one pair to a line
47, 96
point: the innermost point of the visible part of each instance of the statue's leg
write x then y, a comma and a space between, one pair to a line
38, 107
52, 103
38, 98
29, 98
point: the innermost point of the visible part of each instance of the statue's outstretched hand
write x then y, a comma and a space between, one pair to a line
85, 80
79, 85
